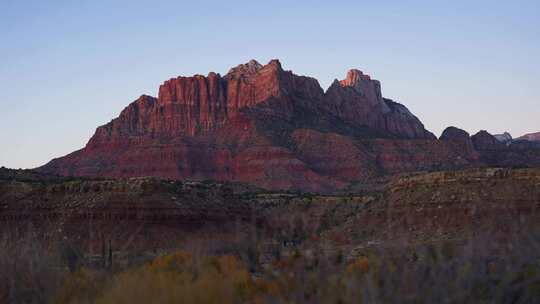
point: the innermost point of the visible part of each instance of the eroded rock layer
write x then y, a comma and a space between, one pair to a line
149, 213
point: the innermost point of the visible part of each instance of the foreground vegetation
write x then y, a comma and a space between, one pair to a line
483, 270
451, 237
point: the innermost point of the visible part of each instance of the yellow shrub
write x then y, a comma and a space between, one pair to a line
178, 261
179, 278
80, 287
360, 265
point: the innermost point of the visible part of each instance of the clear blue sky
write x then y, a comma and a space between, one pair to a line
67, 67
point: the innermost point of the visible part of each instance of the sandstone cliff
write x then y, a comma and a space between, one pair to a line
267, 126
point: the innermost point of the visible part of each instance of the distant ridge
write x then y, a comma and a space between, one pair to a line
531, 137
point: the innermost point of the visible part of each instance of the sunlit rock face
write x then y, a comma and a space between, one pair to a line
358, 100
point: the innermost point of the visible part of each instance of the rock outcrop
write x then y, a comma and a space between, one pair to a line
484, 141
358, 100
517, 153
458, 136
505, 138
269, 127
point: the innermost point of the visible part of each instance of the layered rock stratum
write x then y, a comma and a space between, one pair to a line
272, 128
150, 213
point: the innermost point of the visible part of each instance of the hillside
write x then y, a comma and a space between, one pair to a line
153, 213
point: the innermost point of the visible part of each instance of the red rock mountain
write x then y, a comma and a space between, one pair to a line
269, 127
531, 137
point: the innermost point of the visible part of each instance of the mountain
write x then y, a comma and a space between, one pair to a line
269, 127
505, 138
517, 153
531, 137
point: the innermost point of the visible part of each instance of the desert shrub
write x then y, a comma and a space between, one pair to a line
482, 270
81, 286
181, 278
360, 265
70, 255
437, 273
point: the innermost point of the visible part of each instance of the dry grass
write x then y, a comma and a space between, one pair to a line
485, 269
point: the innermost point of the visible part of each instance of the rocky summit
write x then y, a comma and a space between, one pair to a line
274, 129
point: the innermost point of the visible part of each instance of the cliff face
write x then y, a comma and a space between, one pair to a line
266, 126
358, 100
199, 105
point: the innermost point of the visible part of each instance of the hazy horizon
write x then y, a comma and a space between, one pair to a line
68, 68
